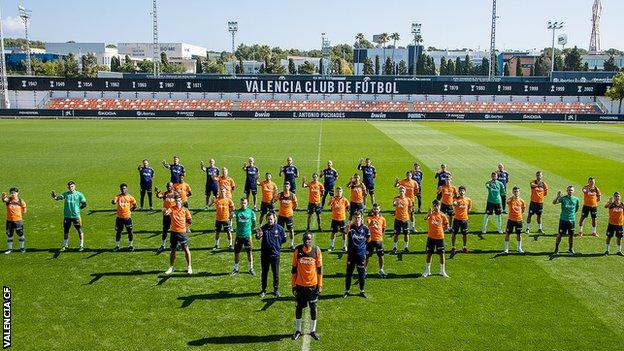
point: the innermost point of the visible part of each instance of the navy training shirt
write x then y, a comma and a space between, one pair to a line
146, 174
177, 171
329, 177
358, 237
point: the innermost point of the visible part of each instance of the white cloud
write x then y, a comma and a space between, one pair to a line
13, 26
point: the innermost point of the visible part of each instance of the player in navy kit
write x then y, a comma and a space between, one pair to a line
417, 176
503, 177
330, 175
251, 180
368, 178
356, 253
146, 174
177, 170
212, 186
290, 172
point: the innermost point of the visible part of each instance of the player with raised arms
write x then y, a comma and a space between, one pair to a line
146, 175
15, 207
290, 173
329, 175
73, 202
177, 170
169, 200
212, 184
516, 208
539, 190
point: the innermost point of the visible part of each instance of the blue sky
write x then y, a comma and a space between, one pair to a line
298, 24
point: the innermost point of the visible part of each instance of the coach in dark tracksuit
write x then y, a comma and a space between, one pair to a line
356, 253
273, 237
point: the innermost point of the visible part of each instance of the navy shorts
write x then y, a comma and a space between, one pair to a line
589, 211
251, 188
266, 208
223, 226
460, 226
566, 228
614, 230
314, 208
535, 208
212, 190
239, 243
306, 295
514, 227
285, 222
492, 208
121, 223
400, 227
447, 210
370, 188
180, 239
337, 226
354, 207
375, 247
435, 246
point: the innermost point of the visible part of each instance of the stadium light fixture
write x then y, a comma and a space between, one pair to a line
416, 30
25, 16
553, 26
3, 80
325, 55
233, 28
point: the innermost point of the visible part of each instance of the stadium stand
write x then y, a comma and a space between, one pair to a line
325, 105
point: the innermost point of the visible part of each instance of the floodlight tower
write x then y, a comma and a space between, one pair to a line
554, 26
326, 55
155, 44
25, 16
233, 28
594, 42
492, 68
4, 86
416, 30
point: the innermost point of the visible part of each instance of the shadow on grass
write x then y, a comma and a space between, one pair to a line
577, 255
98, 276
163, 278
372, 276
221, 295
238, 339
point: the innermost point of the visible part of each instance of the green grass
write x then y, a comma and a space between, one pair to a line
99, 299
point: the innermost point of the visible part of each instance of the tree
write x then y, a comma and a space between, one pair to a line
506, 71
541, 67
306, 68
90, 66
321, 66
146, 66
163, 59
389, 66
292, 69
559, 65
115, 64
377, 64
395, 36
128, 66
459, 69
468, 66
485, 67
368, 67
199, 67
519, 68
216, 66
402, 69
443, 71
573, 60
383, 39
450, 67
586, 66
610, 66
616, 91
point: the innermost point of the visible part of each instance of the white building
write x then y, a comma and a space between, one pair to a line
300, 60
249, 67
174, 51
476, 57
103, 54
597, 60
398, 54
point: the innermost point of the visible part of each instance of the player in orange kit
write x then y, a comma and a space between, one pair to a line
125, 205
16, 208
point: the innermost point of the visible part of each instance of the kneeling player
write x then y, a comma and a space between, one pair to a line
307, 282
516, 208
461, 205
376, 227
616, 222
125, 205
437, 223
180, 220
16, 207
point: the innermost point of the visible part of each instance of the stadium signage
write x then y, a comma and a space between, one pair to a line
6, 317
307, 85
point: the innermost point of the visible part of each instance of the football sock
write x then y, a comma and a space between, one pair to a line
506, 246
298, 325
65, 242
607, 246
313, 325
519, 245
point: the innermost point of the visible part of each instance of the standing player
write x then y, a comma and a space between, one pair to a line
539, 190
437, 223
212, 185
224, 208
73, 202
358, 195
339, 207
402, 208
251, 180
315, 189
290, 173
569, 207
176, 169
369, 173
411, 188
306, 282
358, 236
287, 206
330, 175
16, 208
376, 227
180, 220
591, 197
169, 200
503, 177
269, 195
272, 236
245, 225
184, 190
226, 182
442, 175
514, 221
462, 206
446, 194
495, 189
616, 222
125, 205
146, 174
417, 175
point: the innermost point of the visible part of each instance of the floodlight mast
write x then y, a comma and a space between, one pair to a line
554, 26
25, 16
4, 85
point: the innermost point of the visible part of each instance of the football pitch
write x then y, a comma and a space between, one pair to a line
104, 300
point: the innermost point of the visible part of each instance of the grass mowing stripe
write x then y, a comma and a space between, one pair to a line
578, 277
599, 148
604, 132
